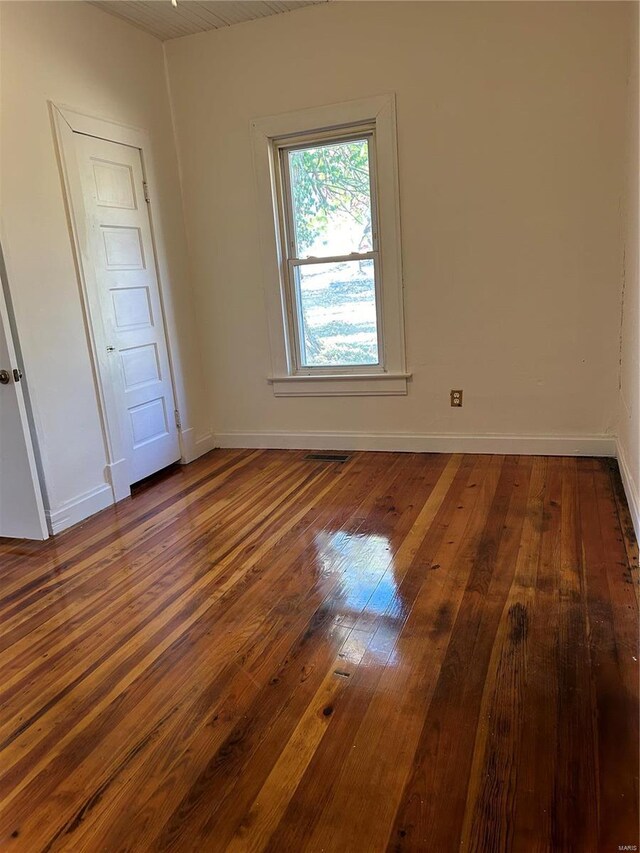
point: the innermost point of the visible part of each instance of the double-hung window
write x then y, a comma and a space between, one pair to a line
329, 220
331, 249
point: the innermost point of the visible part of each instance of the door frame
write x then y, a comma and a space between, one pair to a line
66, 122
7, 328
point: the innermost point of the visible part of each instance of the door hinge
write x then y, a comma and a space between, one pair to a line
177, 416
145, 187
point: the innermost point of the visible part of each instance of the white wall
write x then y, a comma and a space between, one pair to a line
77, 55
511, 124
629, 399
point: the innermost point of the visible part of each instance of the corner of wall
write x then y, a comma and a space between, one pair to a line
630, 487
628, 408
183, 211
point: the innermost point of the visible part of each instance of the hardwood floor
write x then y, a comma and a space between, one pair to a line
258, 652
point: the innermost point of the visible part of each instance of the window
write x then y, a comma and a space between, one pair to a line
329, 209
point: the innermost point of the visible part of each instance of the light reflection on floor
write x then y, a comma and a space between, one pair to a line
368, 585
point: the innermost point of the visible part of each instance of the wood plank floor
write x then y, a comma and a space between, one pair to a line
259, 652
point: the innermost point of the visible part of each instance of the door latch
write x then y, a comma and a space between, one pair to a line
17, 374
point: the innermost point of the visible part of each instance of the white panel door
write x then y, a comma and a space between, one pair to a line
122, 256
21, 509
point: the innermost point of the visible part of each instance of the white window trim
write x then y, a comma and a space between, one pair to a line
285, 380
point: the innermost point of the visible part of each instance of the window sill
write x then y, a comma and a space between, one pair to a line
340, 385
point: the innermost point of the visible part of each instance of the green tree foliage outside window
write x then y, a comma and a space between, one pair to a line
330, 184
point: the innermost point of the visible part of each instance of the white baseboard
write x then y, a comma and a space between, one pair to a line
79, 508
193, 447
543, 445
187, 445
205, 443
118, 475
73, 511
630, 488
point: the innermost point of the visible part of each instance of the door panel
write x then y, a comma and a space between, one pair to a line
21, 509
123, 248
122, 256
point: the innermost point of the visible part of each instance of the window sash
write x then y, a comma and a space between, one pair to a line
317, 141
294, 311
292, 261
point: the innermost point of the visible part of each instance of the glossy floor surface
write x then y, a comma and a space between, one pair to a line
259, 652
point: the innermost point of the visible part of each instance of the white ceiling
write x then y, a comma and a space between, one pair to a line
165, 21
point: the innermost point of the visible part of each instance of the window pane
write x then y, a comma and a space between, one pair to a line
337, 309
331, 199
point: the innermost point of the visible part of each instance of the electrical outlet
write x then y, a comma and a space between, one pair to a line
456, 399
